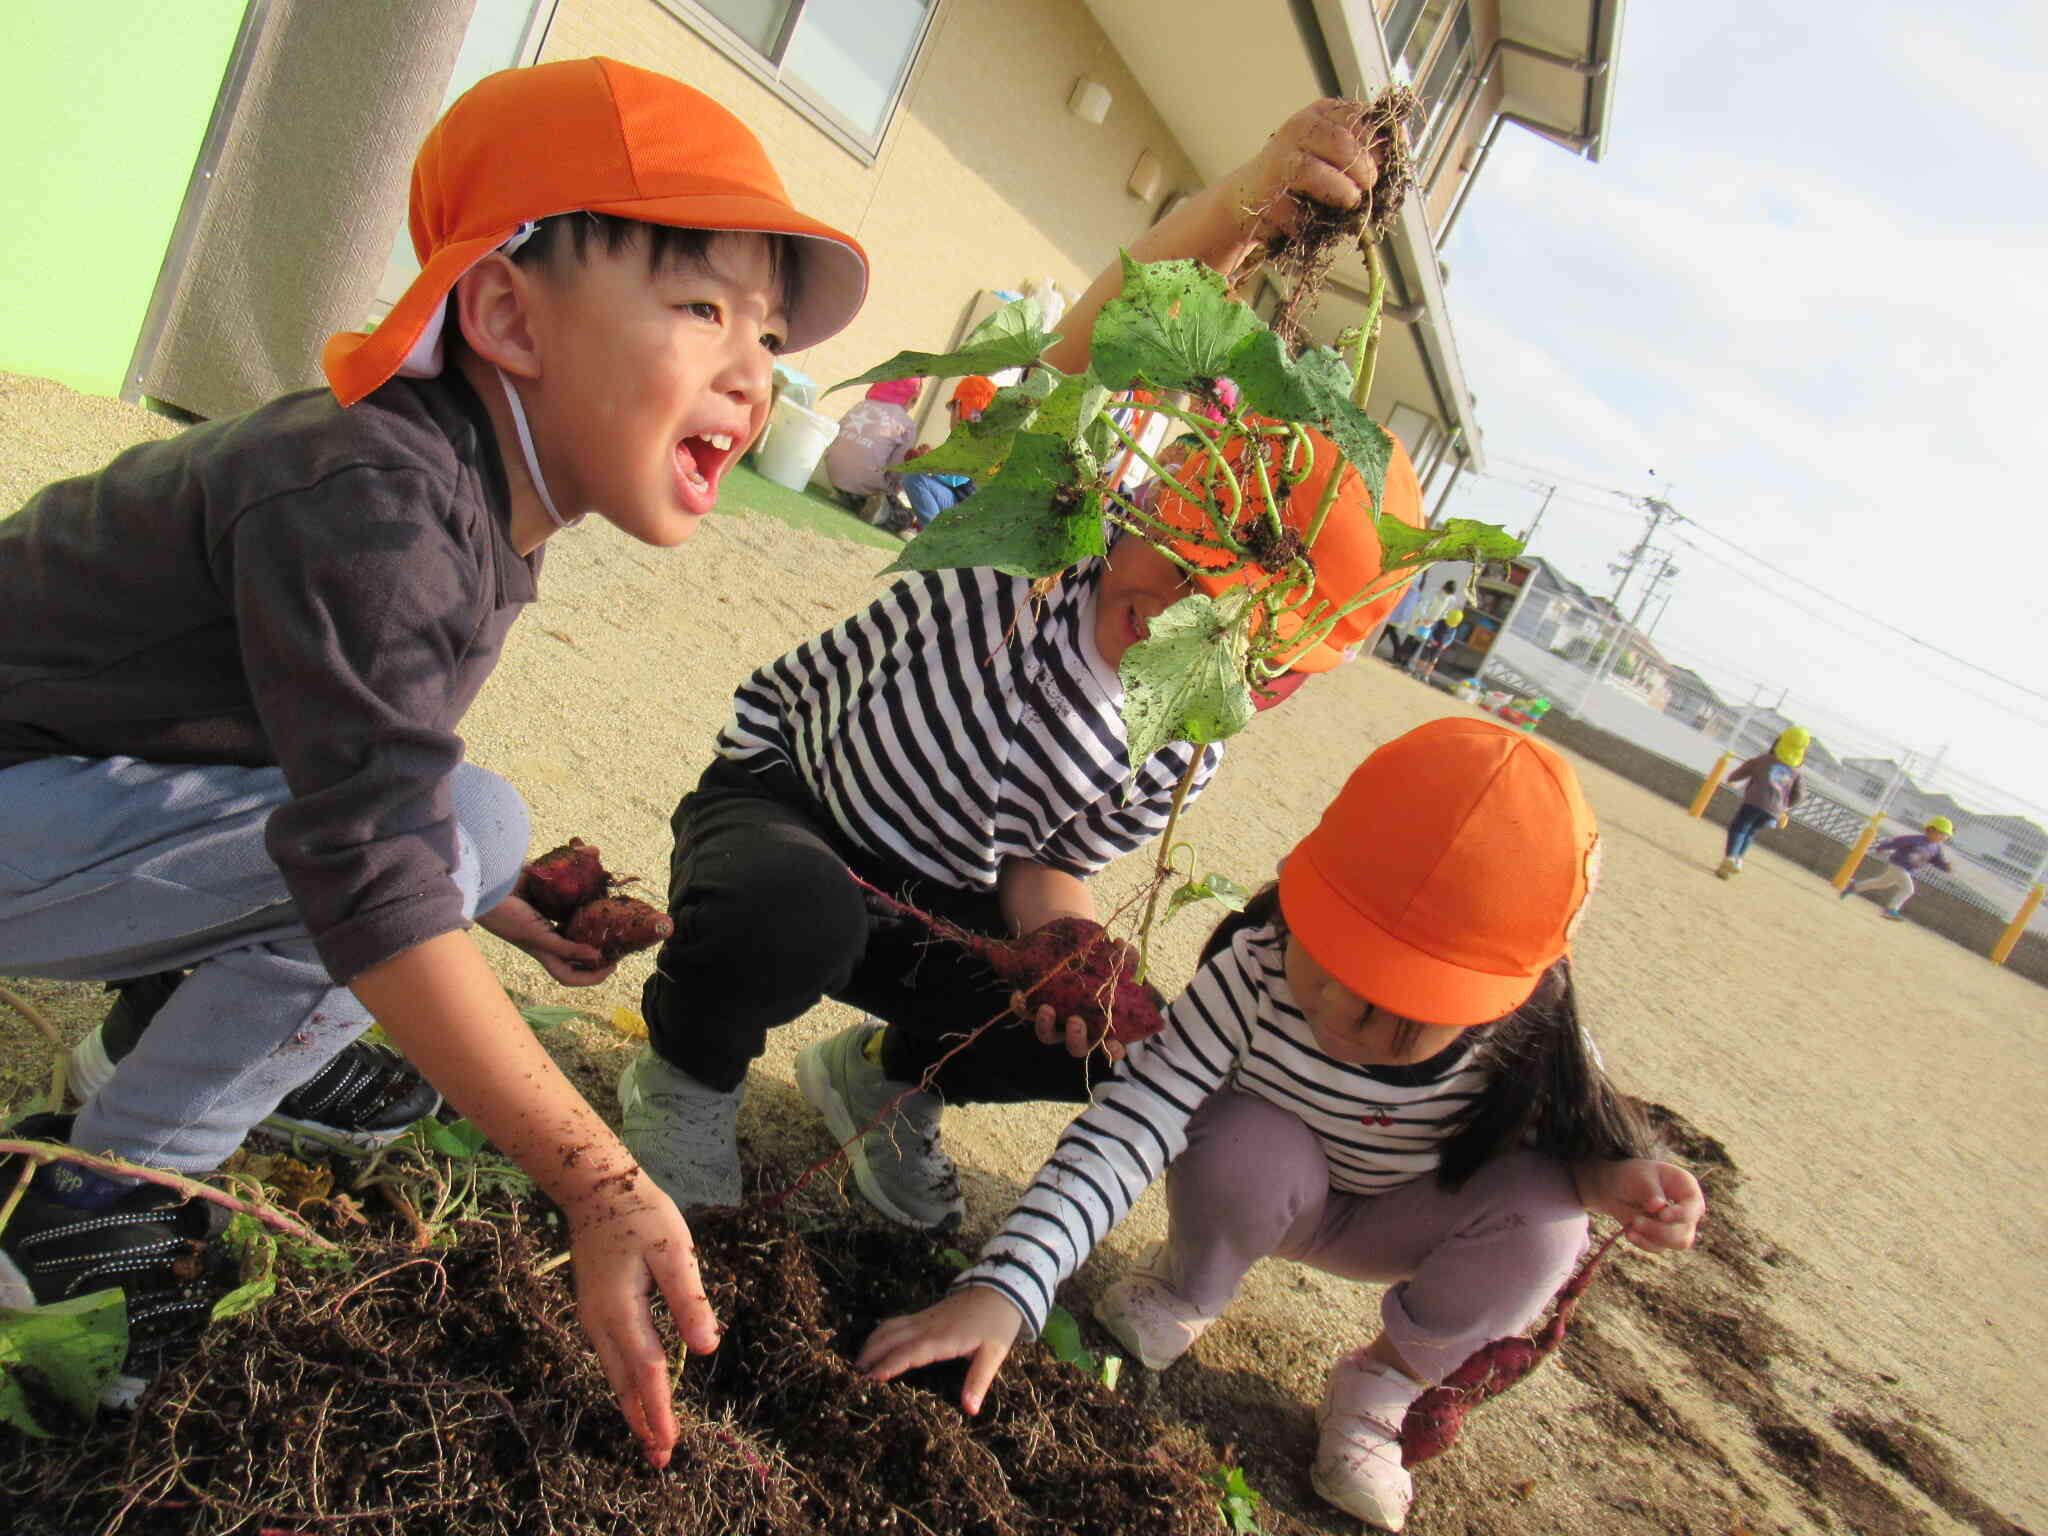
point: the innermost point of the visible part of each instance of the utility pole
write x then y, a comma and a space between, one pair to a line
1665, 570
1658, 510
1529, 533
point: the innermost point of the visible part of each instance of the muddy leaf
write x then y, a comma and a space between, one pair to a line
58, 1358
1027, 521
1174, 326
1185, 680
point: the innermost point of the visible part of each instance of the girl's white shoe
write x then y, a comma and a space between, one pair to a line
1358, 1455
1148, 1316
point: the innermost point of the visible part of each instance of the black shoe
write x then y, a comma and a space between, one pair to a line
358, 1102
154, 1245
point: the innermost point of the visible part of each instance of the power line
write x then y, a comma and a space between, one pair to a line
1801, 581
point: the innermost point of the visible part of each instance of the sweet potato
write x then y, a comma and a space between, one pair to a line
618, 925
563, 879
1074, 967
1434, 1419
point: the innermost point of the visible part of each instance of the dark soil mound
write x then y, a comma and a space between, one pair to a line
450, 1390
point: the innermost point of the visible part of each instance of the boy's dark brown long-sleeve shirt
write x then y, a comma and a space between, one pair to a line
316, 588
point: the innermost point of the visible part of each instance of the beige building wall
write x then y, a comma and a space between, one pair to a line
984, 180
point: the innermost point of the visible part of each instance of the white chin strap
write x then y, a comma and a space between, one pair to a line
540, 484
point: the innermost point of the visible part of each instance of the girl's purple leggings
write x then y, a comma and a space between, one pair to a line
1463, 1267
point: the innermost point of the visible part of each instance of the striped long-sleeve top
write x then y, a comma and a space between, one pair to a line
1236, 1025
957, 722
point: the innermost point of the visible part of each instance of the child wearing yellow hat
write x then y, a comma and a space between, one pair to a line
1378, 1071
1775, 785
1907, 854
235, 660
1441, 633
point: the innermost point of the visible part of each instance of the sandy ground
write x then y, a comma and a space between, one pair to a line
1858, 1346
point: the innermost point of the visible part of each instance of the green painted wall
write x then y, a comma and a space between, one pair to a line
103, 104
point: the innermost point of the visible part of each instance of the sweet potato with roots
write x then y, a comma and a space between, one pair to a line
570, 887
1434, 1419
1072, 965
1075, 968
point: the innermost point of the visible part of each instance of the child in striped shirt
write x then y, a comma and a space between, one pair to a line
1379, 1071
960, 744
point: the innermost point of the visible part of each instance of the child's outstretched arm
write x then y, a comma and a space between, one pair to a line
975, 1322
442, 1005
1311, 158
1659, 1205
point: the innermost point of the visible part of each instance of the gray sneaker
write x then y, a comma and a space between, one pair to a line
892, 1129
684, 1134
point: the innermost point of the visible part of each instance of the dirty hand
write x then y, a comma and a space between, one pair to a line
1659, 1205
629, 1240
972, 1320
519, 924
1313, 157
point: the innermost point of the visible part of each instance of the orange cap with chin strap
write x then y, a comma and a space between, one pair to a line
585, 136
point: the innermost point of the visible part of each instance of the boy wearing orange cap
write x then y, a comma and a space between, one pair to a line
1378, 1071
960, 744
233, 663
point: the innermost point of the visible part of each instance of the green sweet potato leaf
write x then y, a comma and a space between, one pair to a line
1010, 338
1027, 521
57, 1358
1174, 326
1185, 681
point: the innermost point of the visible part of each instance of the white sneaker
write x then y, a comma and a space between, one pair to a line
1358, 1455
1148, 1316
684, 1134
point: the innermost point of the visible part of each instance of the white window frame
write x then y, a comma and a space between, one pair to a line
767, 69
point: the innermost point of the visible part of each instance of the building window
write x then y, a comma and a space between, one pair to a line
1444, 89
1410, 26
842, 63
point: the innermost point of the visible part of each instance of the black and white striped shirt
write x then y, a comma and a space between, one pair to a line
1236, 1026
956, 723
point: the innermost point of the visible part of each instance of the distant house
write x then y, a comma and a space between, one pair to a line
1692, 700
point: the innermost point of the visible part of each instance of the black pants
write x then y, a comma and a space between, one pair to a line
767, 923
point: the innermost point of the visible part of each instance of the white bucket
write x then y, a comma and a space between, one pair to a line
797, 438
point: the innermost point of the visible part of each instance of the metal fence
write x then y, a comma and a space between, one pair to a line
1599, 670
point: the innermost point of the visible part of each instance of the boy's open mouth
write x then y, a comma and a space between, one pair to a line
701, 462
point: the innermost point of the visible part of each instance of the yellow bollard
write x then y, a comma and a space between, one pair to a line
2003, 948
1863, 841
1709, 784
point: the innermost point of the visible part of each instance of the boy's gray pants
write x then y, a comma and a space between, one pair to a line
112, 868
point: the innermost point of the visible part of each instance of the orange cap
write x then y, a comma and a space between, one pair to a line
975, 393
1347, 551
584, 135
1448, 874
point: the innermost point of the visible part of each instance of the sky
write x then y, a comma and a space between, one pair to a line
1804, 299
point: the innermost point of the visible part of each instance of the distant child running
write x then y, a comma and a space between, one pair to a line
233, 664
1909, 853
1775, 785
1378, 1071
959, 743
